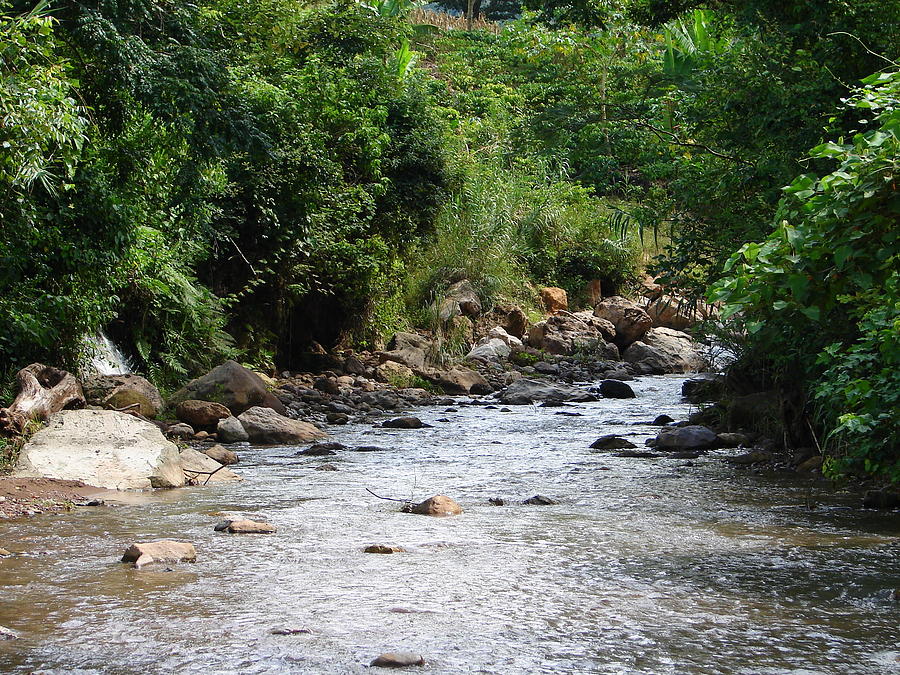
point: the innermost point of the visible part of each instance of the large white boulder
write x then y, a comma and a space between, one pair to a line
103, 448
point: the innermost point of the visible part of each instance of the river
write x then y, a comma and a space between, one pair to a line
645, 566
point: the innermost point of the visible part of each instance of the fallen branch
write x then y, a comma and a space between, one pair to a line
389, 499
43, 390
208, 474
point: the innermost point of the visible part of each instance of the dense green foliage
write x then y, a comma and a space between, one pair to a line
819, 297
245, 178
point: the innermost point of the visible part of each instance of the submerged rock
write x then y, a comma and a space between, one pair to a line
162, 551
612, 442
403, 423
384, 548
326, 467
398, 660
322, 449
540, 500
245, 526
8, 633
290, 631
881, 499
438, 506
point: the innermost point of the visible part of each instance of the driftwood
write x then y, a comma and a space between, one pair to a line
43, 390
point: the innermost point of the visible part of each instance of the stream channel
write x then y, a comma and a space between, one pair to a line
645, 566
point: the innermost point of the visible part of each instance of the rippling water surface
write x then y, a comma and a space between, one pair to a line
646, 565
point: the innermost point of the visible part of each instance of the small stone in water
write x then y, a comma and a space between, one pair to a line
327, 467
384, 548
496, 501
8, 634
246, 527
505, 410
662, 421
398, 660
4, 553
290, 631
540, 500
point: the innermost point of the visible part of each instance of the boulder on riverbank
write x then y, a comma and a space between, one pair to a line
630, 321
232, 385
116, 392
102, 448
202, 414
202, 469
264, 426
663, 350
565, 333
527, 391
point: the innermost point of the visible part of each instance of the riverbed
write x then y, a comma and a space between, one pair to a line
645, 565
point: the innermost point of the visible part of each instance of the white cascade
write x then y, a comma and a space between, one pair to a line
104, 358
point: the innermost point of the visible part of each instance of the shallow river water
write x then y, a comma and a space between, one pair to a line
646, 565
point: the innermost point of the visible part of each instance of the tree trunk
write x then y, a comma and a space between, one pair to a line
43, 390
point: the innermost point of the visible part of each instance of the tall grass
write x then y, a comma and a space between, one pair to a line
444, 21
507, 232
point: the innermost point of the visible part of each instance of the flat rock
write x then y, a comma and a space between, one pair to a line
4, 553
162, 551
370, 448
638, 454
398, 660
384, 548
181, 430
322, 449
527, 391
266, 427
326, 467
248, 527
290, 631
403, 423
612, 442
438, 506
102, 448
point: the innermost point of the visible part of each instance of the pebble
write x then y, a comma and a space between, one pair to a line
540, 500
384, 548
398, 660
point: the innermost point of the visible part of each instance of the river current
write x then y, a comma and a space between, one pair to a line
645, 566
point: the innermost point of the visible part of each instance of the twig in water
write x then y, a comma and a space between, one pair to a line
389, 499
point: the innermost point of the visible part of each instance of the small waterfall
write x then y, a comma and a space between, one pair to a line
104, 358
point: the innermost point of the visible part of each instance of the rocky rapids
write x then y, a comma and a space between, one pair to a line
631, 565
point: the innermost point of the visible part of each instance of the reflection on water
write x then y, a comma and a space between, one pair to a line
646, 566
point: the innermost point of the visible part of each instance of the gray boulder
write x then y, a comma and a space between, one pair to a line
693, 437
490, 349
230, 430
102, 448
232, 385
664, 350
615, 389
264, 426
201, 469
526, 391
